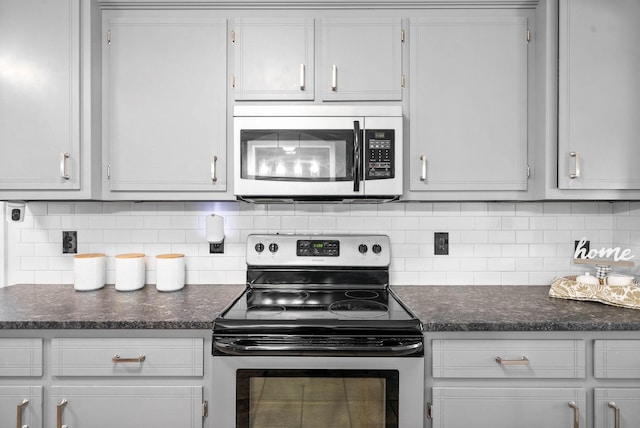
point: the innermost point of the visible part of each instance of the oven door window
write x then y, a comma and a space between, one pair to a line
317, 398
297, 155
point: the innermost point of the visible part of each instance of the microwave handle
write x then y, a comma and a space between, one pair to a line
356, 156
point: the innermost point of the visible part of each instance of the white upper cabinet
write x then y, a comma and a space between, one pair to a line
348, 59
274, 58
361, 59
599, 95
164, 105
40, 100
468, 104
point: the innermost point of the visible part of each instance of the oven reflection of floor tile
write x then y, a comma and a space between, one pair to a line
277, 414
323, 389
278, 388
323, 414
364, 388
369, 414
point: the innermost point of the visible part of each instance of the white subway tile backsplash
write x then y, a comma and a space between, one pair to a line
491, 243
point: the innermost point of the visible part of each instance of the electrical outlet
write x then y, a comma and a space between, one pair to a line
69, 242
216, 248
581, 251
441, 243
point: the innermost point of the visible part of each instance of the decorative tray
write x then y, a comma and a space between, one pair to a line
625, 296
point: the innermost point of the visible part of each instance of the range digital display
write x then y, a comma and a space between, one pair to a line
317, 248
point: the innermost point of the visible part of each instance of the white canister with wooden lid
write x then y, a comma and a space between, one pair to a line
130, 274
89, 271
170, 272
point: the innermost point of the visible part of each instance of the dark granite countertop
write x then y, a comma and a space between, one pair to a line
444, 308
511, 308
60, 306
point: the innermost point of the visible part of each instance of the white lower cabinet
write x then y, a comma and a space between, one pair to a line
20, 378
127, 406
126, 382
508, 407
496, 383
616, 407
20, 405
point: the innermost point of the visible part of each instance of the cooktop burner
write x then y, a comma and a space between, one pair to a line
317, 305
301, 285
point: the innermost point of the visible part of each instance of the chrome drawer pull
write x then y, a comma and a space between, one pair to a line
63, 165
524, 361
616, 414
59, 408
118, 359
423, 160
334, 78
577, 173
576, 414
214, 177
19, 415
303, 81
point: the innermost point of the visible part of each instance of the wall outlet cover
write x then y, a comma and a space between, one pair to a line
441, 243
69, 242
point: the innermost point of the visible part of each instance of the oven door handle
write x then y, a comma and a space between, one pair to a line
238, 347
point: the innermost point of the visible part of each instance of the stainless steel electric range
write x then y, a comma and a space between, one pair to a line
318, 333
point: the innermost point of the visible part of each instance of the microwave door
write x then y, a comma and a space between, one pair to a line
298, 156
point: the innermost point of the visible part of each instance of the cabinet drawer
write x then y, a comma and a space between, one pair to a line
20, 357
508, 359
615, 359
508, 407
127, 357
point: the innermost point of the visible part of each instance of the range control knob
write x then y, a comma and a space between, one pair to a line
273, 247
259, 247
363, 248
377, 249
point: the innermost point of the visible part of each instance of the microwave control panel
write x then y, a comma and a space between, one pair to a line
378, 154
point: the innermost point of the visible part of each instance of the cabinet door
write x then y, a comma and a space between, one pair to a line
599, 95
21, 406
127, 406
622, 404
39, 95
165, 102
274, 58
468, 103
361, 59
508, 407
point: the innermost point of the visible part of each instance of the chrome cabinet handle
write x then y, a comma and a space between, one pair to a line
303, 77
118, 359
19, 414
334, 78
213, 169
63, 165
576, 174
423, 175
524, 361
576, 414
59, 408
616, 414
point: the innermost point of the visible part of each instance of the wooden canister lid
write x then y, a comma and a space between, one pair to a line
130, 256
88, 256
169, 256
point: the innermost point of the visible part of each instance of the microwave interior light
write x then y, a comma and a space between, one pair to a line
314, 168
290, 150
264, 168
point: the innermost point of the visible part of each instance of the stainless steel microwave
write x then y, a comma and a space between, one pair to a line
317, 152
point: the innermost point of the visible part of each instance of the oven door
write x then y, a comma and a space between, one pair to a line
318, 391
297, 156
